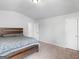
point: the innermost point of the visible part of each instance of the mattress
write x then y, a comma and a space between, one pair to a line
10, 44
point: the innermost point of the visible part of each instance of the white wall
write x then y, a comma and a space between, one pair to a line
52, 30
14, 19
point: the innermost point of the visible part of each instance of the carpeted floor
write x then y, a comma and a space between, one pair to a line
47, 51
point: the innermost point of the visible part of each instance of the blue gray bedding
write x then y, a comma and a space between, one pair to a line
10, 43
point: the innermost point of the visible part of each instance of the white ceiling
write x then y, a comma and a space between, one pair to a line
44, 9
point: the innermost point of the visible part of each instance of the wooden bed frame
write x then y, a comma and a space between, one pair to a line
20, 54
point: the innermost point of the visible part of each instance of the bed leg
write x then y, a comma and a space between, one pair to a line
37, 49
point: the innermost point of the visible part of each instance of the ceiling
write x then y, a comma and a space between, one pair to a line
44, 9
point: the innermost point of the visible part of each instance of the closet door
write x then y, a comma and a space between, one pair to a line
71, 33
78, 34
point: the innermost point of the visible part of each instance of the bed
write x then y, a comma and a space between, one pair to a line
13, 45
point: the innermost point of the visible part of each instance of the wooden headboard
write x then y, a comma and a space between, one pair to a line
5, 31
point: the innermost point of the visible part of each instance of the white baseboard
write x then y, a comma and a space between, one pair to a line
53, 44
58, 45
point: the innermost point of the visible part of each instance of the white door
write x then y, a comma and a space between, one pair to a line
78, 34
36, 31
71, 33
30, 29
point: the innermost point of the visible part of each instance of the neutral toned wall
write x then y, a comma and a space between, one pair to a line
14, 19
53, 30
